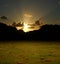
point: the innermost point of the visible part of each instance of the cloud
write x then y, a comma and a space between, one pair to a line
4, 17
27, 15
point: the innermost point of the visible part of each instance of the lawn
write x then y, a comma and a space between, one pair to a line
29, 53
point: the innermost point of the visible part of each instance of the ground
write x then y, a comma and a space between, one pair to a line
29, 53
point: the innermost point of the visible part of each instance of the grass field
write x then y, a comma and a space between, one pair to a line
29, 53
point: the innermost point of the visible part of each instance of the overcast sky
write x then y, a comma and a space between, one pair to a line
47, 10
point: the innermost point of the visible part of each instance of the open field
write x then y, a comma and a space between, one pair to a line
29, 53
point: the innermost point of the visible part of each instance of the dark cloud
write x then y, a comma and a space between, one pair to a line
4, 17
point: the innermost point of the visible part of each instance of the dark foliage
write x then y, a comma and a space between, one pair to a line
45, 33
10, 33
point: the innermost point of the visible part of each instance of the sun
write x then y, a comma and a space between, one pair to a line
25, 27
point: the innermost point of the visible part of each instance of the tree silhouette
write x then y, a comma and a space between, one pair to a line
45, 33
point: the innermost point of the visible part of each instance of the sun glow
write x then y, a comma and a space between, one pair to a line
18, 28
26, 27
28, 15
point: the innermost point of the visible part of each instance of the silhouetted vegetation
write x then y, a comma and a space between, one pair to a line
10, 33
45, 33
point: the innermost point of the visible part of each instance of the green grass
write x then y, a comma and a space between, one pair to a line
29, 53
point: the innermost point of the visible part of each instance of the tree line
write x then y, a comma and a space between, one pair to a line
45, 33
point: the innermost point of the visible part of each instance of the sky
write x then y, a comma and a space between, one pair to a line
31, 10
